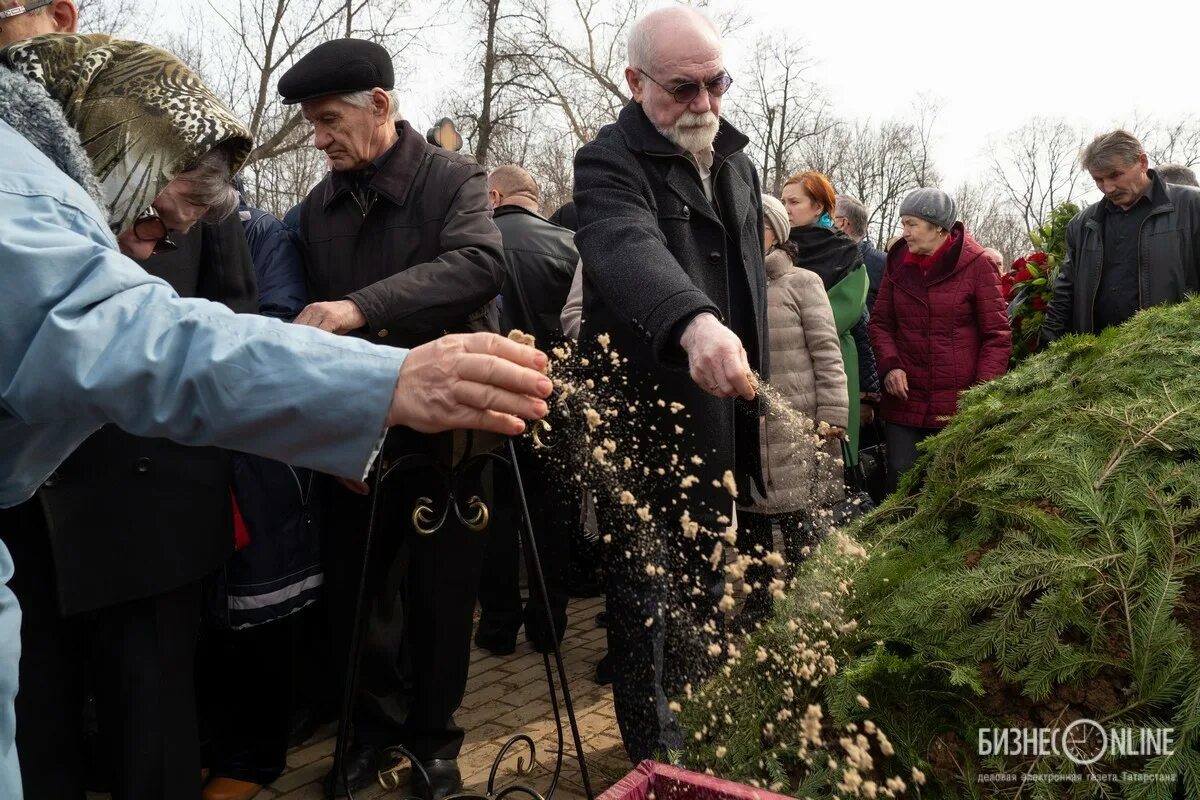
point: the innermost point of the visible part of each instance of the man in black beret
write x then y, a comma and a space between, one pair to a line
399, 247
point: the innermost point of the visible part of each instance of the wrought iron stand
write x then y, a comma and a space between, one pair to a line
424, 522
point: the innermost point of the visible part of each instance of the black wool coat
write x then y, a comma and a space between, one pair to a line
131, 517
655, 254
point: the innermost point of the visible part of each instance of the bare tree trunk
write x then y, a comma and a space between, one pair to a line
484, 127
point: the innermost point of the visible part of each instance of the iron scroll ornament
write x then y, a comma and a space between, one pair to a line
480, 516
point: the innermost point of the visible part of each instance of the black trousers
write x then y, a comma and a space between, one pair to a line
246, 686
657, 638
902, 441
554, 502
757, 530
137, 657
420, 596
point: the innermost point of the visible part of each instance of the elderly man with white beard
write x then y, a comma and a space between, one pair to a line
671, 239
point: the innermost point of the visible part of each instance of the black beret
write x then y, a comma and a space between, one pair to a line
338, 67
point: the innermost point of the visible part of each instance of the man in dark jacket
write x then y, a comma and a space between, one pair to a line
671, 236
399, 248
539, 262
1136, 248
850, 215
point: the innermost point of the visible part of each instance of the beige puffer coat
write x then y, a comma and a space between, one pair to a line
806, 370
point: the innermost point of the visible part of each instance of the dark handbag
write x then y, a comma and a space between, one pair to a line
873, 460
858, 501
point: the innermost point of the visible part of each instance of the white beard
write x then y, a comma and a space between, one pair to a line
693, 133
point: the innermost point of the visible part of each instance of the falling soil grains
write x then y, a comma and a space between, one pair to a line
606, 438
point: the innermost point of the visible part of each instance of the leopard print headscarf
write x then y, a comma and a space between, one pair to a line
142, 115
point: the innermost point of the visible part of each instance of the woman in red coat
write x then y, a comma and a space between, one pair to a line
940, 324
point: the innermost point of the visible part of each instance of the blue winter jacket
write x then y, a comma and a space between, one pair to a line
87, 337
278, 265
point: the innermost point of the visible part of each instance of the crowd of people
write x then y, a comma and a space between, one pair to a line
204, 409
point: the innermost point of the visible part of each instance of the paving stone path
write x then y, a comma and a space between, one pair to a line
505, 695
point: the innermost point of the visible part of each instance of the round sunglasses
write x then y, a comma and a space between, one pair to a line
689, 91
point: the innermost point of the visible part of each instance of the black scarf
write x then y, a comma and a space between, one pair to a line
825, 251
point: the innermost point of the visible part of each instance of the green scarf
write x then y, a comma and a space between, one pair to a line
142, 115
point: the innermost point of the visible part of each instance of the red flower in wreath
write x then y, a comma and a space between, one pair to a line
1023, 274
1038, 258
1037, 303
1019, 264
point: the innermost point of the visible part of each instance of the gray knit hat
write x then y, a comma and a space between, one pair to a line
931, 205
775, 215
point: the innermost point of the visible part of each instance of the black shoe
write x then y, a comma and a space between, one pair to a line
444, 779
537, 633
540, 642
303, 725
604, 670
361, 769
498, 644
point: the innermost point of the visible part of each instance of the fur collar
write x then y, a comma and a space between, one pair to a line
28, 108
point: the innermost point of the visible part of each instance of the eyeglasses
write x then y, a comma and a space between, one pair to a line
17, 11
149, 227
687, 92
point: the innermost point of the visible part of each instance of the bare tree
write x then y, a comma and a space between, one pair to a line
987, 214
496, 108
1169, 142
1037, 168
781, 109
551, 162
259, 40
920, 149
576, 54
879, 164
114, 17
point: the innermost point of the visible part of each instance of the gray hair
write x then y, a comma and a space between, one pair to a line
210, 183
1177, 174
1119, 147
855, 213
639, 50
364, 99
995, 256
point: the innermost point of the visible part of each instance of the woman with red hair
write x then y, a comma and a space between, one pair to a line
809, 198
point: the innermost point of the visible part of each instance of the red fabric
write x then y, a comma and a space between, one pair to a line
650, 779
927, 261
946, 328
241, 534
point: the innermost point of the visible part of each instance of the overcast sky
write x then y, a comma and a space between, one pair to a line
993, 65
990, 66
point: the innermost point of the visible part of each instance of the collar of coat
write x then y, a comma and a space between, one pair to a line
1156, 194
643, 137
511, 208
394, 177
778, 262
962, 253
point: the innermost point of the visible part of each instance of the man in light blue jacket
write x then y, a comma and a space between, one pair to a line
88, 338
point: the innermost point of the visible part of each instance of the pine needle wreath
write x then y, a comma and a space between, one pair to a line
1040, 564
